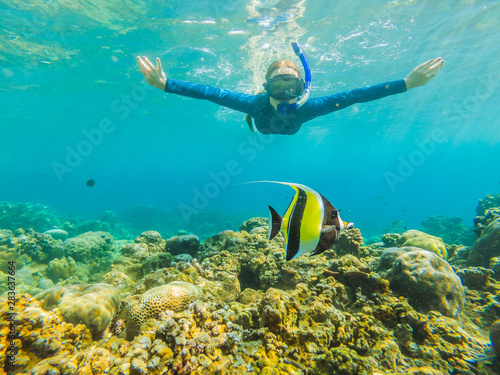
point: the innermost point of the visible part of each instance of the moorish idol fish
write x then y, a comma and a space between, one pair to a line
311, 223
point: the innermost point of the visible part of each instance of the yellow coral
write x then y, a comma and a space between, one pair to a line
61, 269
424, 241
175, 296
91, 304
350, 241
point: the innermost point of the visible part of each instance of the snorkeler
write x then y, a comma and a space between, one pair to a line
285, 104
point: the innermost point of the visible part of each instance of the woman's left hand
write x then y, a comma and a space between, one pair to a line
423, 73
154, 75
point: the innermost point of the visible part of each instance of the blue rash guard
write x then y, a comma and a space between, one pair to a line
267, 119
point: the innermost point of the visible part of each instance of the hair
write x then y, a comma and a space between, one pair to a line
278, 64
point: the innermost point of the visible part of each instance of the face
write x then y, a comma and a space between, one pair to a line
284, 84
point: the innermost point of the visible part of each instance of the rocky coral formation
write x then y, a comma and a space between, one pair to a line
89, 247
428, 281
390, 239
478, 278
350, 241
187, 244
61, 269
488, 210
487, 246
424, 241
450, 229
93, 305
142, 257
255, 222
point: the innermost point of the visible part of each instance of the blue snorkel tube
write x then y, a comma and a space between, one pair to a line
285, 108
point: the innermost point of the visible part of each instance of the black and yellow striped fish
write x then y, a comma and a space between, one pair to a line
311, 223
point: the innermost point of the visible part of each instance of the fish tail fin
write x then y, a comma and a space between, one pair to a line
275, 221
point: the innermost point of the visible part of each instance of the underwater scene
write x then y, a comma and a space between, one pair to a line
249, 187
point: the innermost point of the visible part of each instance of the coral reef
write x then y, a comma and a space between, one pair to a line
239, 307
489, 201
94, 249
93, 305
350, 241
142, 257
450, 229
390, 239
424, 241
389, 256
40, 334
428, 282
27, 215
478, 278
255, 222
488, 210
186, 244
487, 246
61, 269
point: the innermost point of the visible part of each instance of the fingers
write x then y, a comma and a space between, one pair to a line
426, 64
148, 63
437, 63
158, 62
434, 68
142, 66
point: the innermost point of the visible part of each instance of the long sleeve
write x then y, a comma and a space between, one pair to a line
231, 99
326, 104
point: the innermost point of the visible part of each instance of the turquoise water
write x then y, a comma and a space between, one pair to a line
74, 107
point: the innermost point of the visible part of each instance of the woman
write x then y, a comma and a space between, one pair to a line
281, 109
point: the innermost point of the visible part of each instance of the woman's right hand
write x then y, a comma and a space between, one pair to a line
154, 76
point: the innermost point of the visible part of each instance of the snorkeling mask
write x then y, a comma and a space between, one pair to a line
287, 86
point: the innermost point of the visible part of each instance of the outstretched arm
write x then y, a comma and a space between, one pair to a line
154, 76
231, 99
423, 73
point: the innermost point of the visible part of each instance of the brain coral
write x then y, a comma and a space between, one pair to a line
93, 304
175, 296
428, 282
424, 241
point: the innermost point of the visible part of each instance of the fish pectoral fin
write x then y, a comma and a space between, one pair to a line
329, 235
275, 221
